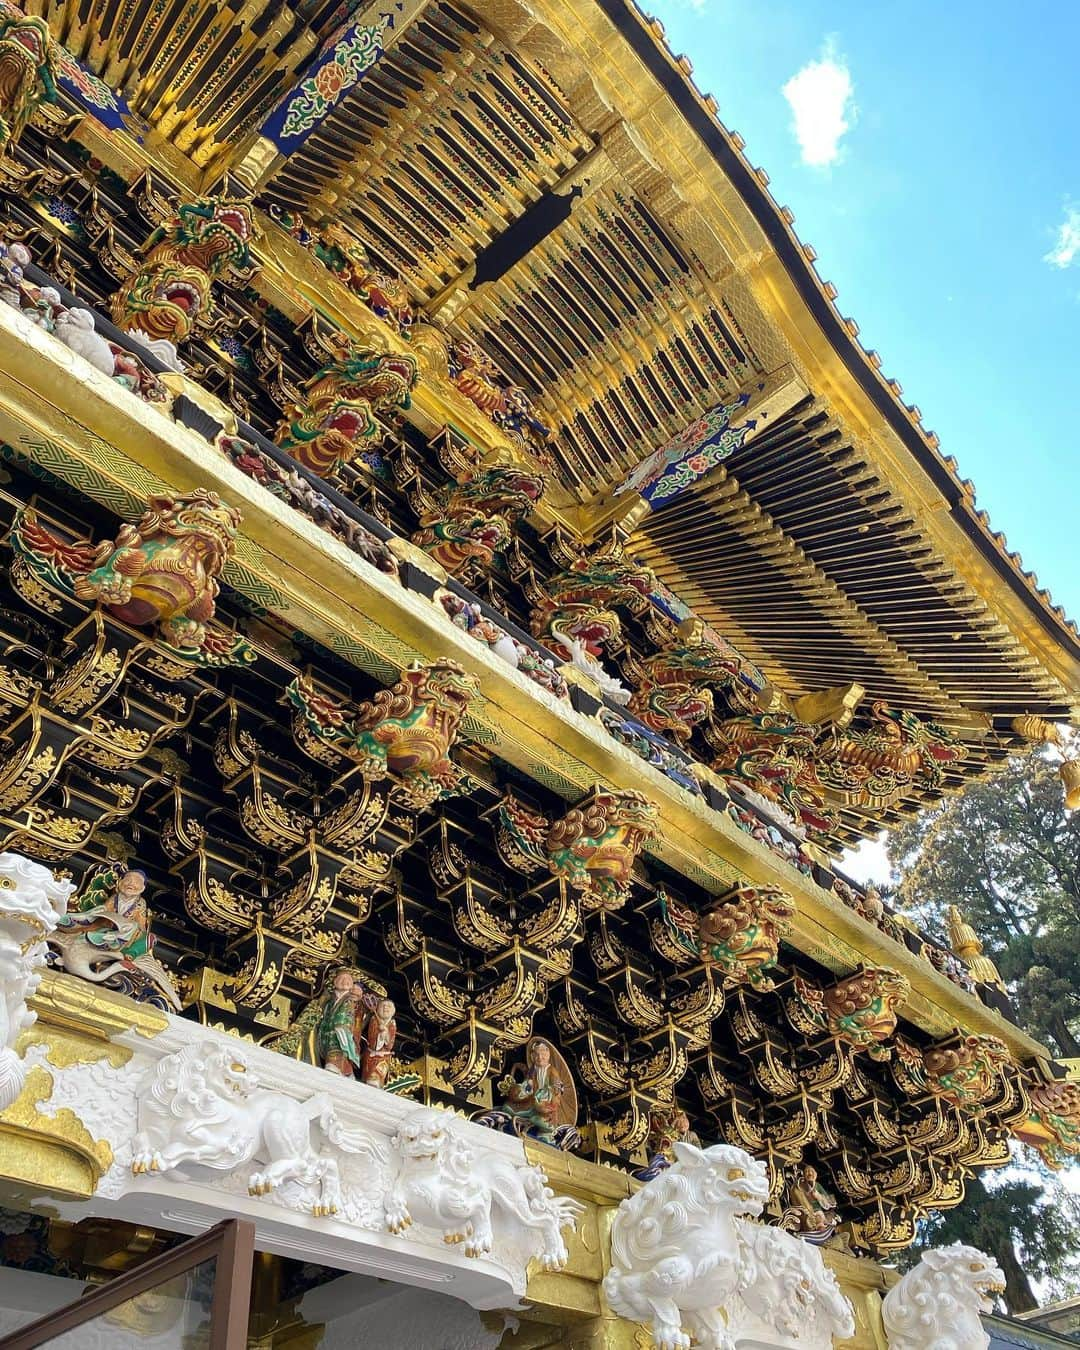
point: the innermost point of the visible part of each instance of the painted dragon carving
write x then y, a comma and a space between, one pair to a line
472, 521
473, 1198
673, 689
173, 289
574, 611
593, 846
29, 66
405, 732
812, 770
938, 1305
337, 414
163, 570
687, 1261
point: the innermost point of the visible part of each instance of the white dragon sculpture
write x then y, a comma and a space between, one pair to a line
686, 1260
32, 902
938, 1305
204, 1105
444, 1183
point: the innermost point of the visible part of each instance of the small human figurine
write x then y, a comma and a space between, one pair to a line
667, 1127
539, 1099
348, 1030
811, 1206
14, 259
336, 1031
105, 938
379, 1037
872, 905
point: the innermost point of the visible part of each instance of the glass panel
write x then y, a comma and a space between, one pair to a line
174, 1315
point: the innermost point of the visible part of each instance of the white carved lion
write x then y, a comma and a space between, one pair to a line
937, 1305
32, 902
204, 1105
443, 1183
684, 1257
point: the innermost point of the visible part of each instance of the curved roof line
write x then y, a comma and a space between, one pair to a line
641, 33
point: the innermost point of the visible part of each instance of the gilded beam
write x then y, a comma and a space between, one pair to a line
110, 446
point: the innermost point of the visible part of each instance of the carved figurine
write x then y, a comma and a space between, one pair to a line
474, 1197
674, 687
338, 1030
172, 290
939, 1304
1053, 1123
860, 1010
668, 1126
32, 903
539, 1099
574, 614
593, 846
345, 256
469, 617
338, 414
380, 1033
349, 1030
29, 69
740, 932
105, 938
472, 521
406, 731
685, 1261
203, 1105
163, 570
75, 329
14, 259
811, 1209
477, 377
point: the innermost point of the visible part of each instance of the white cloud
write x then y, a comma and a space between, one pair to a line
821, 97
1066, 248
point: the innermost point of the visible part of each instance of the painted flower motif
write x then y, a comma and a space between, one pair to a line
698, 463
330, 81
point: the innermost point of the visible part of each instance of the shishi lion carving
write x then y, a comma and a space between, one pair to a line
32, 902
937, 1306
685, 1260
204, 1105
442, 1183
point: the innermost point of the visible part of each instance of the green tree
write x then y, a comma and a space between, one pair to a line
1007, 854
1030, 1229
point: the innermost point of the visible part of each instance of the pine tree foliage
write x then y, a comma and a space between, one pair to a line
1007, 854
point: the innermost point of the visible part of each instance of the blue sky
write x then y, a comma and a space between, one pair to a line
937, 174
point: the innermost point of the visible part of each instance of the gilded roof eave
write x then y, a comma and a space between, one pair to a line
642, 82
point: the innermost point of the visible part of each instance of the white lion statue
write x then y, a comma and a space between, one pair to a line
443, 1183
32, 902
937, 1305
204, 1105
685, 1259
